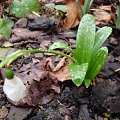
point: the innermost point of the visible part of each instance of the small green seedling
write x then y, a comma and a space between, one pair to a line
87, 59
88, 54
87, 4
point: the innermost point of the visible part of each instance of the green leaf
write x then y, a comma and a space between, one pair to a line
57, 7
61, 8
101, 35
87, 5
90, 4
50, 5
57, 45
5, 27
77, 73
87, 82
85, 39
97, 63
22, 7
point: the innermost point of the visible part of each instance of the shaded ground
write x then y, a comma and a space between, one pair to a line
100, 102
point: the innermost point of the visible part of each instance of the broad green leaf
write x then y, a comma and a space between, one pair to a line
50, 5
97, 63
85, 39
101, 35
61, 8
57, 45
22, 7
87, 82
5, 27
77, 73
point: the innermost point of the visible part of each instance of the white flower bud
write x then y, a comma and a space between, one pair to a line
14, 88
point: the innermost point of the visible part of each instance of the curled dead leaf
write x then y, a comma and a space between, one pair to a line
61, 71
63, 74
73, 14
60, 64
49, 64
103, 15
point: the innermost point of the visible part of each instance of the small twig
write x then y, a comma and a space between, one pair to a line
117, 70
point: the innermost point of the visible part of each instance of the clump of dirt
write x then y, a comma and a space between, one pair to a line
106, 96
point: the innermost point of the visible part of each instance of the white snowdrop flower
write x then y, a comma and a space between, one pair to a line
14, 88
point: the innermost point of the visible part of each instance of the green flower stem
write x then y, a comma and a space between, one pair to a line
19, 53
87, 5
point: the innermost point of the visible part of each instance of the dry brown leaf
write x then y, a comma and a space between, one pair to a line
44, 44
117, 59
107, 8
56, 88
102, 16
60, 64
63, 74
26, 34
61, 71
3, 113
49, 64
73, 14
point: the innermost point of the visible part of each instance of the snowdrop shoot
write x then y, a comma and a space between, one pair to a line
83, 68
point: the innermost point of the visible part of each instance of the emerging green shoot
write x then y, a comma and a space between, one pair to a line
117, 21
87, 59
87, 4
89, 55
